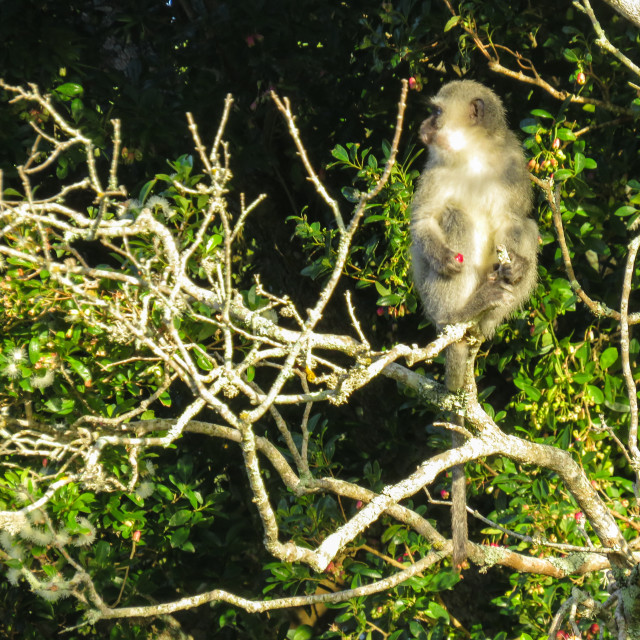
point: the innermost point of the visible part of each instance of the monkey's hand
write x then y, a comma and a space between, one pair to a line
510, 269
446, 262
513, 271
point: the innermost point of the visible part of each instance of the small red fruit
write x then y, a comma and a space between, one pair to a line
556, 143
459, 258
594, 628
412, 83
444, 494
581, 78
136, 535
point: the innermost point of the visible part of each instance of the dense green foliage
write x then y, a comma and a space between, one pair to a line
552, 375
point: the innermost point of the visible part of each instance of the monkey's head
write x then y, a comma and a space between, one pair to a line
464, 113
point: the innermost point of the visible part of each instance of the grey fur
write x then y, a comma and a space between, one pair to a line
473, 196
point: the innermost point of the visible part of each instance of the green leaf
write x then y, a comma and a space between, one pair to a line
179, 537
617, 406
596, 395
69, 90
180, 517
304, 632
529, 390
608, 357
340, 153
570, 55
164, 492
417, 631
529, 125
452, 22
101, 551
541, 113
579, 162
79, 368
625, 210
61, 406
375, 218
562, 174
351, 194
146, 190
77, 107
389, 301
34, 349
566, 134
437, 611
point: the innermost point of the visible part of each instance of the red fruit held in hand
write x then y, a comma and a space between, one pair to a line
459, 258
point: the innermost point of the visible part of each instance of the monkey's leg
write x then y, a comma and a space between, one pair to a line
489, 305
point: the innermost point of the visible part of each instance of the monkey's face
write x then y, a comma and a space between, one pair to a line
457, 124
429, 128
442, 132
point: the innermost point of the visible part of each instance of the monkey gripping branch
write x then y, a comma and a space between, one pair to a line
168, 278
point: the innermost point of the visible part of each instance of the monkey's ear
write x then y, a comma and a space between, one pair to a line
476, 110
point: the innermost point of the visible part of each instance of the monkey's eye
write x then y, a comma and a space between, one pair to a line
435, 110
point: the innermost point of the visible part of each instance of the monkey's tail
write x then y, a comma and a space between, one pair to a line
459, 528
457, 357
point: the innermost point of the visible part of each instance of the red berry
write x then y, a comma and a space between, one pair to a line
459, 258
556, 143
412, 83
581, 78
136, 535
594, 628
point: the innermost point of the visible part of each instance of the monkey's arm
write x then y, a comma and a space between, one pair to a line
430, 246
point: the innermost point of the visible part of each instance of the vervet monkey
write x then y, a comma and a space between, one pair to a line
471, 203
